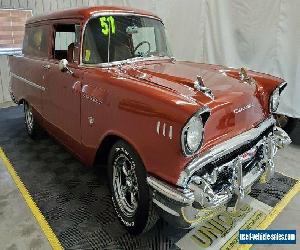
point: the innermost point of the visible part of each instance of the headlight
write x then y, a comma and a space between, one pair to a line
192, 135
275, 97
274, 100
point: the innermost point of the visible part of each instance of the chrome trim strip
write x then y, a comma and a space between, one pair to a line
171, 133
158, 127
126, 61
171, 192
121, 13
164, 130
165, 208
32, 84
222, 149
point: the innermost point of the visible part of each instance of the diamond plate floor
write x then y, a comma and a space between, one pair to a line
75, 200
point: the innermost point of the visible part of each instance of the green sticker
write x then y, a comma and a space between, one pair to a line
106, 23
87, 55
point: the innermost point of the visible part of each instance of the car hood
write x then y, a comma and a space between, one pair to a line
237, 106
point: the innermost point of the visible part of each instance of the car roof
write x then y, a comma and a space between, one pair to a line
86, 12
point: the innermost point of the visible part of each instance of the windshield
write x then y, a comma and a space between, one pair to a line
117, 38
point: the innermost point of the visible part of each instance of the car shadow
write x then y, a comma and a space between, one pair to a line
295, 134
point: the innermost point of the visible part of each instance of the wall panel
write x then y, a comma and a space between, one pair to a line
4, 74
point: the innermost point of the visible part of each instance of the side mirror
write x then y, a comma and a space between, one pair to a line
63, 66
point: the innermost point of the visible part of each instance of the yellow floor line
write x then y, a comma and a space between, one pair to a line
276, 211
54, 242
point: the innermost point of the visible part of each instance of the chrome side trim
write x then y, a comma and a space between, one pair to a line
32, 84
222, 149
171, 192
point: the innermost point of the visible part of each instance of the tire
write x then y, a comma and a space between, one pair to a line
32, 127
131, 195
286, 123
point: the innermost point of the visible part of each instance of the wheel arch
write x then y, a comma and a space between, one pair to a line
106, 144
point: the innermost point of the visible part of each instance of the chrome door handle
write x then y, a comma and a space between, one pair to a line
46, 66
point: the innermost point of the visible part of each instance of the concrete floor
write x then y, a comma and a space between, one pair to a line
19, 229
7, 104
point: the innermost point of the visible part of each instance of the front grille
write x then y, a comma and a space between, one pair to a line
223, 180
225, 176
248, 166
229, 157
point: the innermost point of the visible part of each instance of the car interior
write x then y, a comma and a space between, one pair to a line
64, 45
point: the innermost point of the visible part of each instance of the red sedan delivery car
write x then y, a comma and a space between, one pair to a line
179, 139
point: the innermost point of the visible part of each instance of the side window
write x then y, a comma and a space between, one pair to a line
36, 41
66, 42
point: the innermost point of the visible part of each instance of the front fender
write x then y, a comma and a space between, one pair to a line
149, 118
266, 84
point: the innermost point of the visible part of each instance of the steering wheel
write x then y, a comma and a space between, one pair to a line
140, 44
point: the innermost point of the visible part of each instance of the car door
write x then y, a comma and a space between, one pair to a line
63, 88
28, 75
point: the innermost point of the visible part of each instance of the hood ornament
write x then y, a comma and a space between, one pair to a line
244, 77
199, 85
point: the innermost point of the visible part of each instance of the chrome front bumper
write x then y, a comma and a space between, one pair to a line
220, 178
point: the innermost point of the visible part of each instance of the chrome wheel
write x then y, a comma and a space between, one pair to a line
28, 117
131, 194
125, 185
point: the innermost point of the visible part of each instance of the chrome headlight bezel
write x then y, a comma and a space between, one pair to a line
193, 127
275, 97
274, 100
